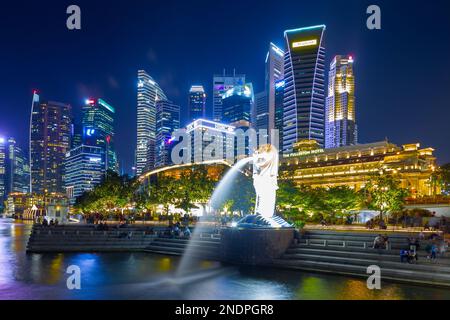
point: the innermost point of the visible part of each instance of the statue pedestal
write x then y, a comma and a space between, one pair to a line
254, 246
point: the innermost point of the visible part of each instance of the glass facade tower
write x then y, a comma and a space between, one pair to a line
197, 103
221, 84
50, 133
148, 94
304, 92
168, 120
340, 120
84, 168
98, 129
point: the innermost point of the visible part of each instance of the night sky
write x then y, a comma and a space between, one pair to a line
402, 71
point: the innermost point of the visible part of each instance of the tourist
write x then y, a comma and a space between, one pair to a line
52, 223
428, 250
434, 251
45, 222
187, 232
378, 242
386, 242
382, 225
176, 230
412, 256
56, 222
130, 234
404, 256
422, 235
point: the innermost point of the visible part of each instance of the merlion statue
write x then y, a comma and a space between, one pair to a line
265, 179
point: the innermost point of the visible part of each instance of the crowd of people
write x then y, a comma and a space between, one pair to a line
435, 247
176, 231
47, 223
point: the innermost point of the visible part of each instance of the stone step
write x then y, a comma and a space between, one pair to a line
393, 251
185, 242
423, 265
400, 275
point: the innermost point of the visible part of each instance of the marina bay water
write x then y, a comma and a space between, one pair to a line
148, 276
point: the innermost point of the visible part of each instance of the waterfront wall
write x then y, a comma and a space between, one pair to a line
254, 246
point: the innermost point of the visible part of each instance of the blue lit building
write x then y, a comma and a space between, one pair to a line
279, 106
221, 84
148, 93
98, 130
84, 168
50, 134
304, 92
17, 169
237, 105
167, 121
2, 172
197, 103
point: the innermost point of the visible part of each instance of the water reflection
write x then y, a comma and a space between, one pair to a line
147, 276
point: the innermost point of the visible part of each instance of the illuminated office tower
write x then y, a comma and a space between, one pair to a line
50, 133
304, 92
167, 121
260, 117
197, 103
237, 105
98, 129
203, 132
221, 84
17, 169
3, 154
77, 134
148, 93
84, 169
279, 99
340, 120
274, 73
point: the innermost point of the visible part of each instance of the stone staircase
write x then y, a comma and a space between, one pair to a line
351, 254
87, 239
199, 246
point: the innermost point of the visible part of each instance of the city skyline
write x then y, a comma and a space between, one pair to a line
396, 109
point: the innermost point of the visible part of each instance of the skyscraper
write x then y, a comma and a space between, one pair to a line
168, 120
340, 119
237, 104
274, 73
260, 118
148, 94
221, 84
2, 172
304, 93
279, 106
17, 169
203, 132
84, 169
197, 103
50, 132
98, 129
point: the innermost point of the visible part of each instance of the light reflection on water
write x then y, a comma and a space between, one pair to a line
146, 276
